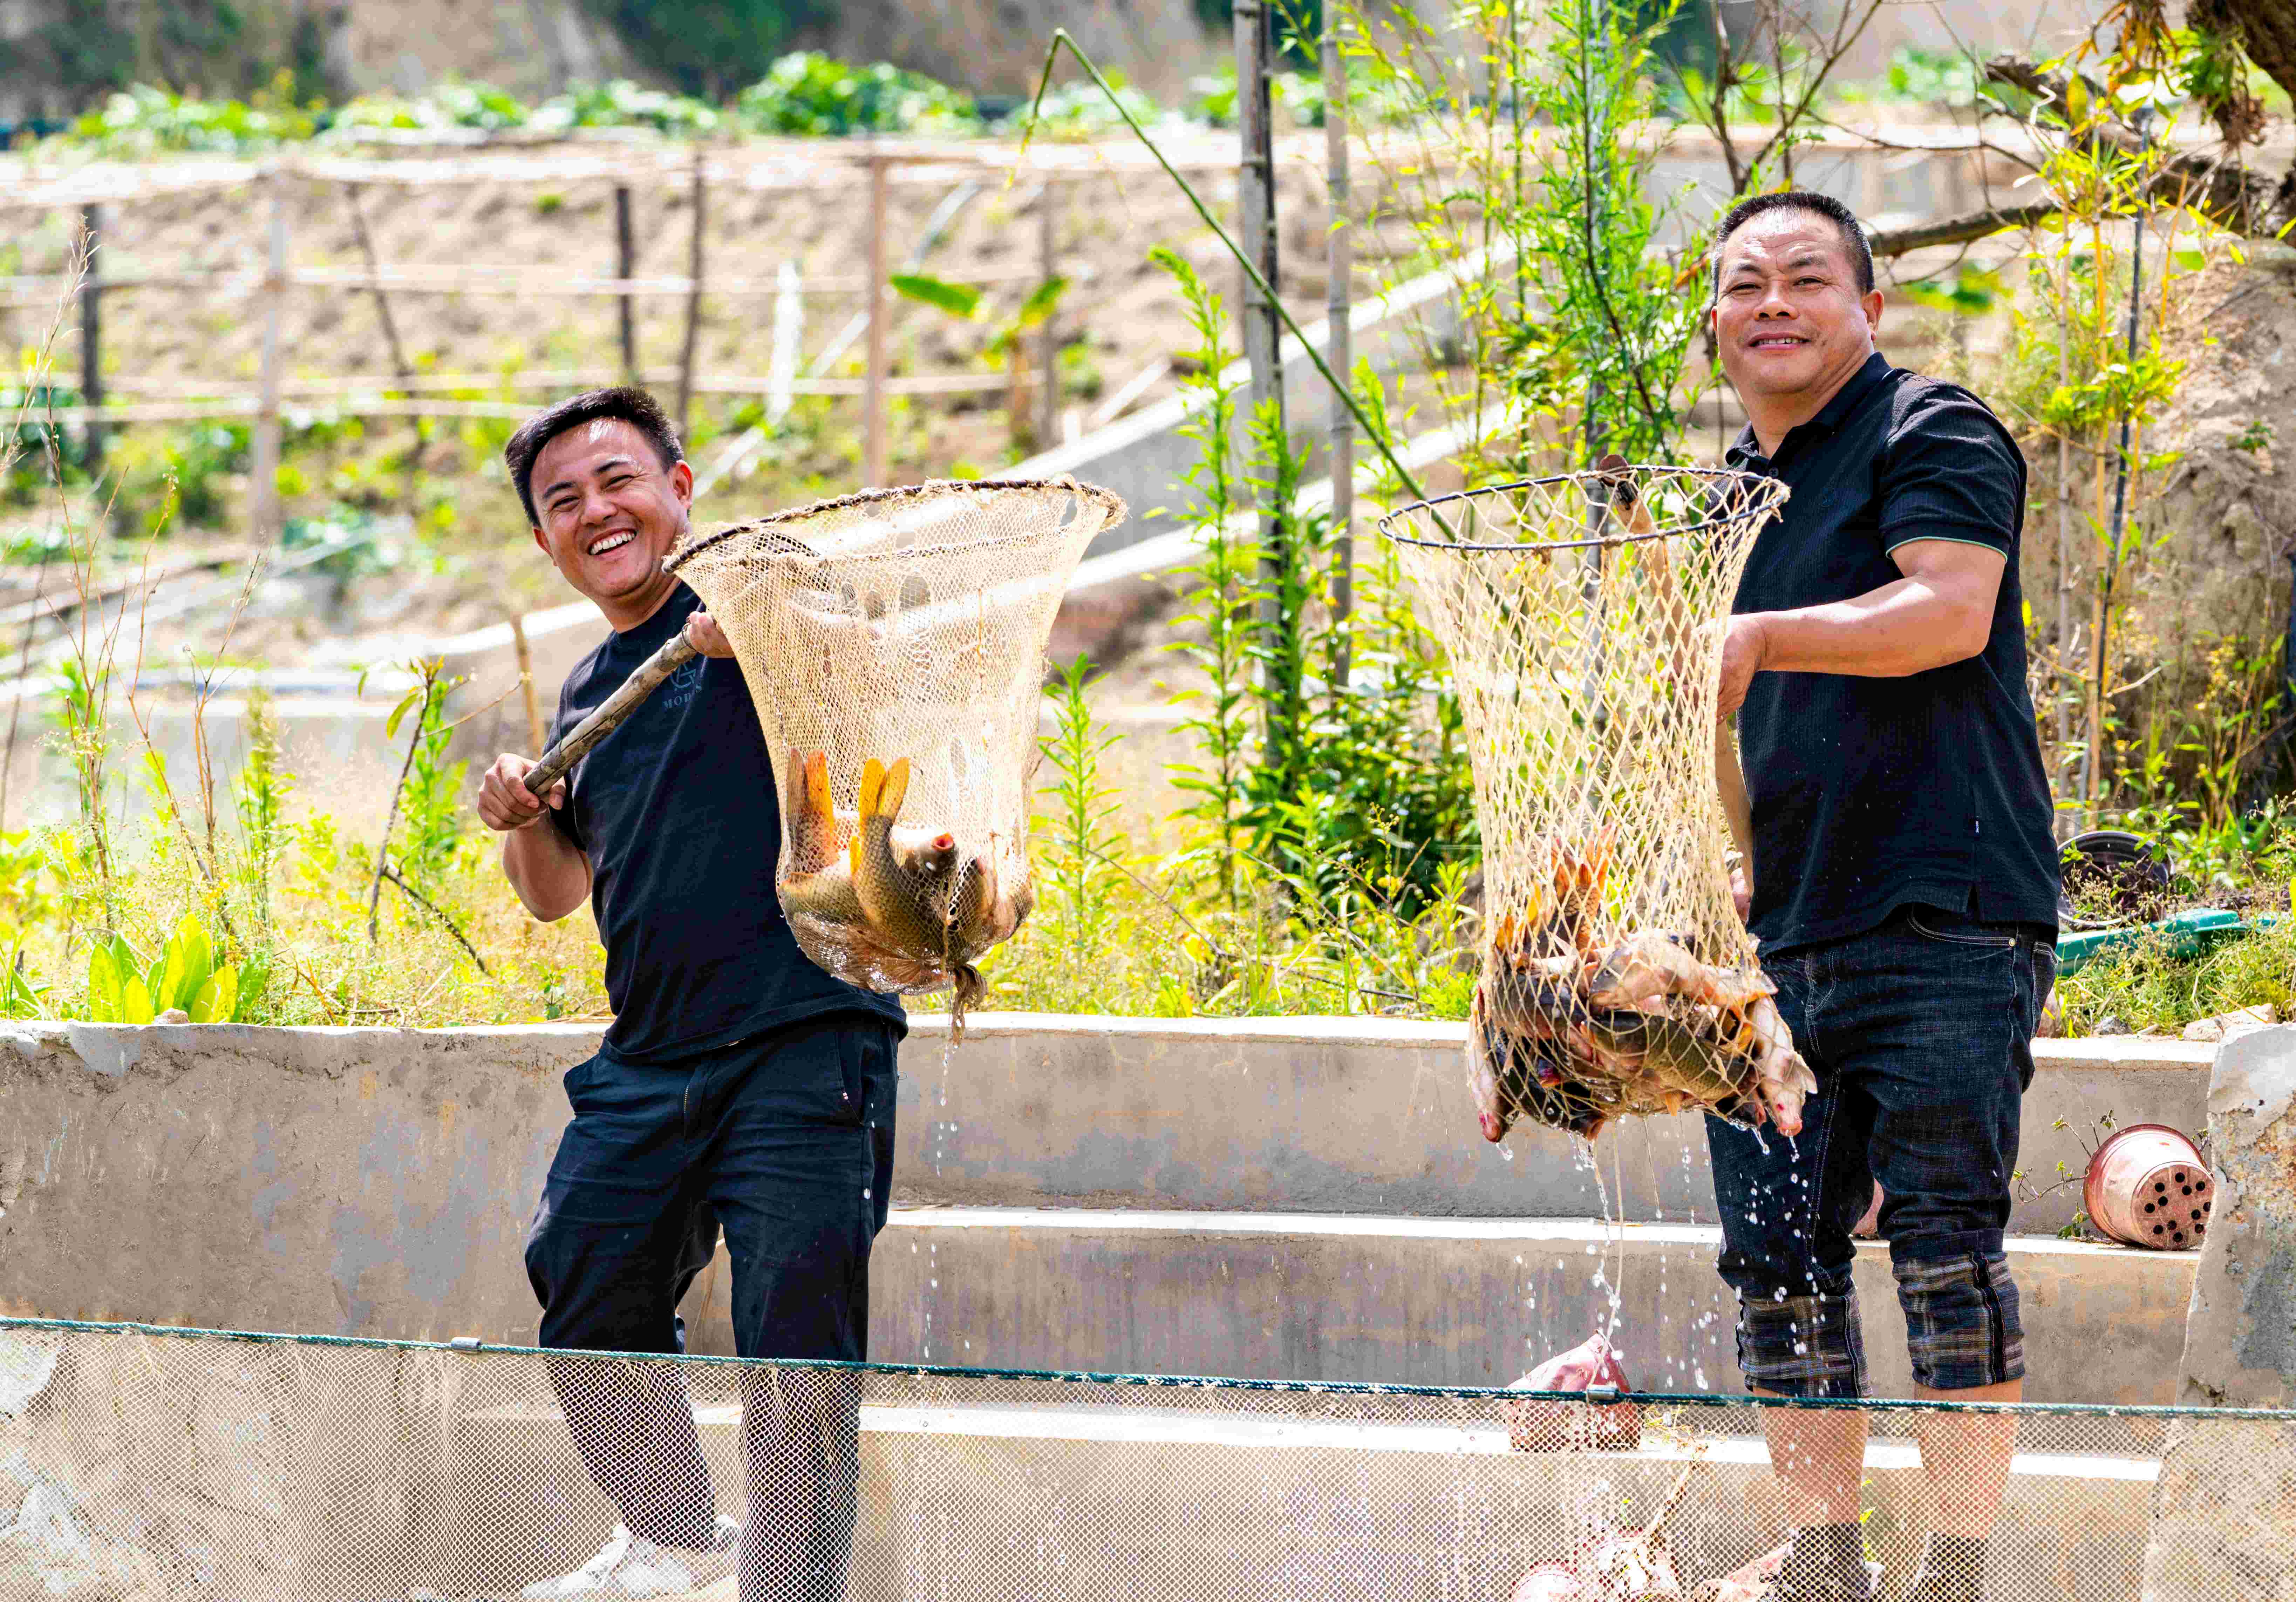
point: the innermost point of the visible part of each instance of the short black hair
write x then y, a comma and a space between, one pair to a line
627, 402
1853, 232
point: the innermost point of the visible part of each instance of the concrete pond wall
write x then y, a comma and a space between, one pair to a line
1293, 1198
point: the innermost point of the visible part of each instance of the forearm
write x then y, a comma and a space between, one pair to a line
1907, 627
551, 876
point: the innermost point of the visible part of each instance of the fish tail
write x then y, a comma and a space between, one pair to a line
883, 789
816, 785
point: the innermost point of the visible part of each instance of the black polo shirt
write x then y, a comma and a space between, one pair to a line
1873, 794
677, 812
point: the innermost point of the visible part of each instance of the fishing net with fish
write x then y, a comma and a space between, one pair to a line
894, 644
1583, 614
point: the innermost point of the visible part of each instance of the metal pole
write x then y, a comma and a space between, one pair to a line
1048, 336
1338, 305
873, 425
625, 269
91, 328
266, 485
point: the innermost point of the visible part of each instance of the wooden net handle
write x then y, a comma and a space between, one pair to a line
674, 655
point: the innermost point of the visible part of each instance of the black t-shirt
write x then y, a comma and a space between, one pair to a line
1873, 794
677, 813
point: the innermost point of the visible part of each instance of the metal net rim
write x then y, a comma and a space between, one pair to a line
1107, 500
1359, 1389
1588, 475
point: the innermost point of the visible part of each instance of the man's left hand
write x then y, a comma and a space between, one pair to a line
1743, 649
702, 633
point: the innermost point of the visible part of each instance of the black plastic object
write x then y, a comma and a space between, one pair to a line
2112, 877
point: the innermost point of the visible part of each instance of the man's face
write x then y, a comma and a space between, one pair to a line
1788, 317
610, 511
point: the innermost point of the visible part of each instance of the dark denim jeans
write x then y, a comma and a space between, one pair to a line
785, 1141
1920, 1033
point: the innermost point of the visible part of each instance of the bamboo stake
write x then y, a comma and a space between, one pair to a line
1337, 307
625, 269
91, 328
1048, 337
400, 366
534, 733
1255, 204
873, 426
265, 442
692, 304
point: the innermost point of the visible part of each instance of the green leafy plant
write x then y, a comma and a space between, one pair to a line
184, 975
1082, 851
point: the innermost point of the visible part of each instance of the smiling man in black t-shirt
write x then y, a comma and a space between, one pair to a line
739, 1087
1904, 882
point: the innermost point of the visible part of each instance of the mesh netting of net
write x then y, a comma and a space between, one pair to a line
893, 642
139, 1463
1583, 618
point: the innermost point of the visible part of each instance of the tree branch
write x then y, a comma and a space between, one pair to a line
1961, 230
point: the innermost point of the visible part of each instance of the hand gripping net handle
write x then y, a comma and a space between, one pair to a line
894, 645
1583, 614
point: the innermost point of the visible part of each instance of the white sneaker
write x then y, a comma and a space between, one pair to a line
624, 1567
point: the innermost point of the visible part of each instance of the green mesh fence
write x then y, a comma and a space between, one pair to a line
140, 1462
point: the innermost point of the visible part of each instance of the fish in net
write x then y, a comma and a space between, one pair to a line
1583, 614
893, 642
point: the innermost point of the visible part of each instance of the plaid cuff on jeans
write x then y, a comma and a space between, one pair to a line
1802, 1345
1961, 1320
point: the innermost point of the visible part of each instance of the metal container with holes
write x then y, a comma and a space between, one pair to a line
2147, 1187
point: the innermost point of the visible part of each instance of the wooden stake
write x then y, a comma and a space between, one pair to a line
265, 463
1048, 337
872, 423
625, 269
1338, 306
693, 305
91, 327
400, 364
534, 733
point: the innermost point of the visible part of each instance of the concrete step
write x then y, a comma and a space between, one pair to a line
1372, 1115
1436, 1302
989, 1496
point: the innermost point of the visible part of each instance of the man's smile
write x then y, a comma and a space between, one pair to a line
614, 541
1776, 341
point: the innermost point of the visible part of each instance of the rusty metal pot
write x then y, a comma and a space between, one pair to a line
2147, 1187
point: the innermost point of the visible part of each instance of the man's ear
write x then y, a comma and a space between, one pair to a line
1871, 304
542, 544
681, 484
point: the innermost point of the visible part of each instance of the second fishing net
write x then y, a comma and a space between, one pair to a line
1584, 618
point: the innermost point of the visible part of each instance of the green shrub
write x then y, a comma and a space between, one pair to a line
144, 120
813, 94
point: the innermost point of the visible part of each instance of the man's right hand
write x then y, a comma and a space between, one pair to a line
505, 804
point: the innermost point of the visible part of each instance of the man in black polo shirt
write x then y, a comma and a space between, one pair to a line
1904, 882
739, 1085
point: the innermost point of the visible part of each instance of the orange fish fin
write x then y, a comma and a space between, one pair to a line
853, 859
872, 783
